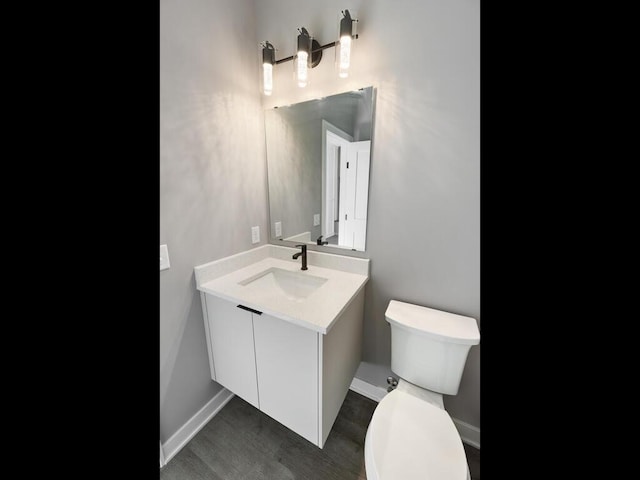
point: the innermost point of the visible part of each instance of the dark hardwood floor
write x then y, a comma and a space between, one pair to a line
241, 442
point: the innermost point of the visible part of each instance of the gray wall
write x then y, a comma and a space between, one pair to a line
362, 127
212, 177
423, 234
295, 170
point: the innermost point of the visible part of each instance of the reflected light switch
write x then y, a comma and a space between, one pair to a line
316, 219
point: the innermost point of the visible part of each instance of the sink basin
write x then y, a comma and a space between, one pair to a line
293, 285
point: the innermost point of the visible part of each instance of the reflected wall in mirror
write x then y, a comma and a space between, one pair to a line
318, 161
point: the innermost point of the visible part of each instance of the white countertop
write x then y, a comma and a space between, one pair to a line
317, 312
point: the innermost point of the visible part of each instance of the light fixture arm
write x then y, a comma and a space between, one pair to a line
315, 49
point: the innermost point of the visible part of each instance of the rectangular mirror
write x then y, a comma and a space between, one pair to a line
318, 163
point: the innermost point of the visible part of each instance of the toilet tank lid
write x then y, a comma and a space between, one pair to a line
446, 326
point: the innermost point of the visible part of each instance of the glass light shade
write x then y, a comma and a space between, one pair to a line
302, 70
267, 78
268, 59
344, 44
302, 57
344, 58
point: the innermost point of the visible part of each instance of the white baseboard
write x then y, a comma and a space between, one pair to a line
195, 424
468, 433
368, 390
162, 462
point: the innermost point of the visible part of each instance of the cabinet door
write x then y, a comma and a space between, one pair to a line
231, 334
287, 365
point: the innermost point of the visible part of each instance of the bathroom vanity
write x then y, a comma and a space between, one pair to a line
287, 341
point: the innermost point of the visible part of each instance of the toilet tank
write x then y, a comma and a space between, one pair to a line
429, 347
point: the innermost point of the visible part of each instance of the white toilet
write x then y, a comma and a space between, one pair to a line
411, 436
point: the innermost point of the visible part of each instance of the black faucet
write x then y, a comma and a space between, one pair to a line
304, 256
320, 242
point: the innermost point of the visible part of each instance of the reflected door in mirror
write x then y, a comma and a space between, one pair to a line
354, 195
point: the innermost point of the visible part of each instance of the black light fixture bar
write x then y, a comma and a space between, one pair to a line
317, 49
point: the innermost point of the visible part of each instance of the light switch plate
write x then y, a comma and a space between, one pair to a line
278, 229
255, 234
164, 257
316, 219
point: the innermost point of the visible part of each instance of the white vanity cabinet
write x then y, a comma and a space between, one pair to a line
294, 374
285, 340
287, 367
231, 348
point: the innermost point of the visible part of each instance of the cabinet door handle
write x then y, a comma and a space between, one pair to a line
249, 309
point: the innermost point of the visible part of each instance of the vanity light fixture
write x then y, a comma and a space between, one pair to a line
343, 46
268, 59
302, 57
309, 54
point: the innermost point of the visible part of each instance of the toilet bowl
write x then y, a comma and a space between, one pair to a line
411, 435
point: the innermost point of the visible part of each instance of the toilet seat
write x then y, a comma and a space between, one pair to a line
409, 438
